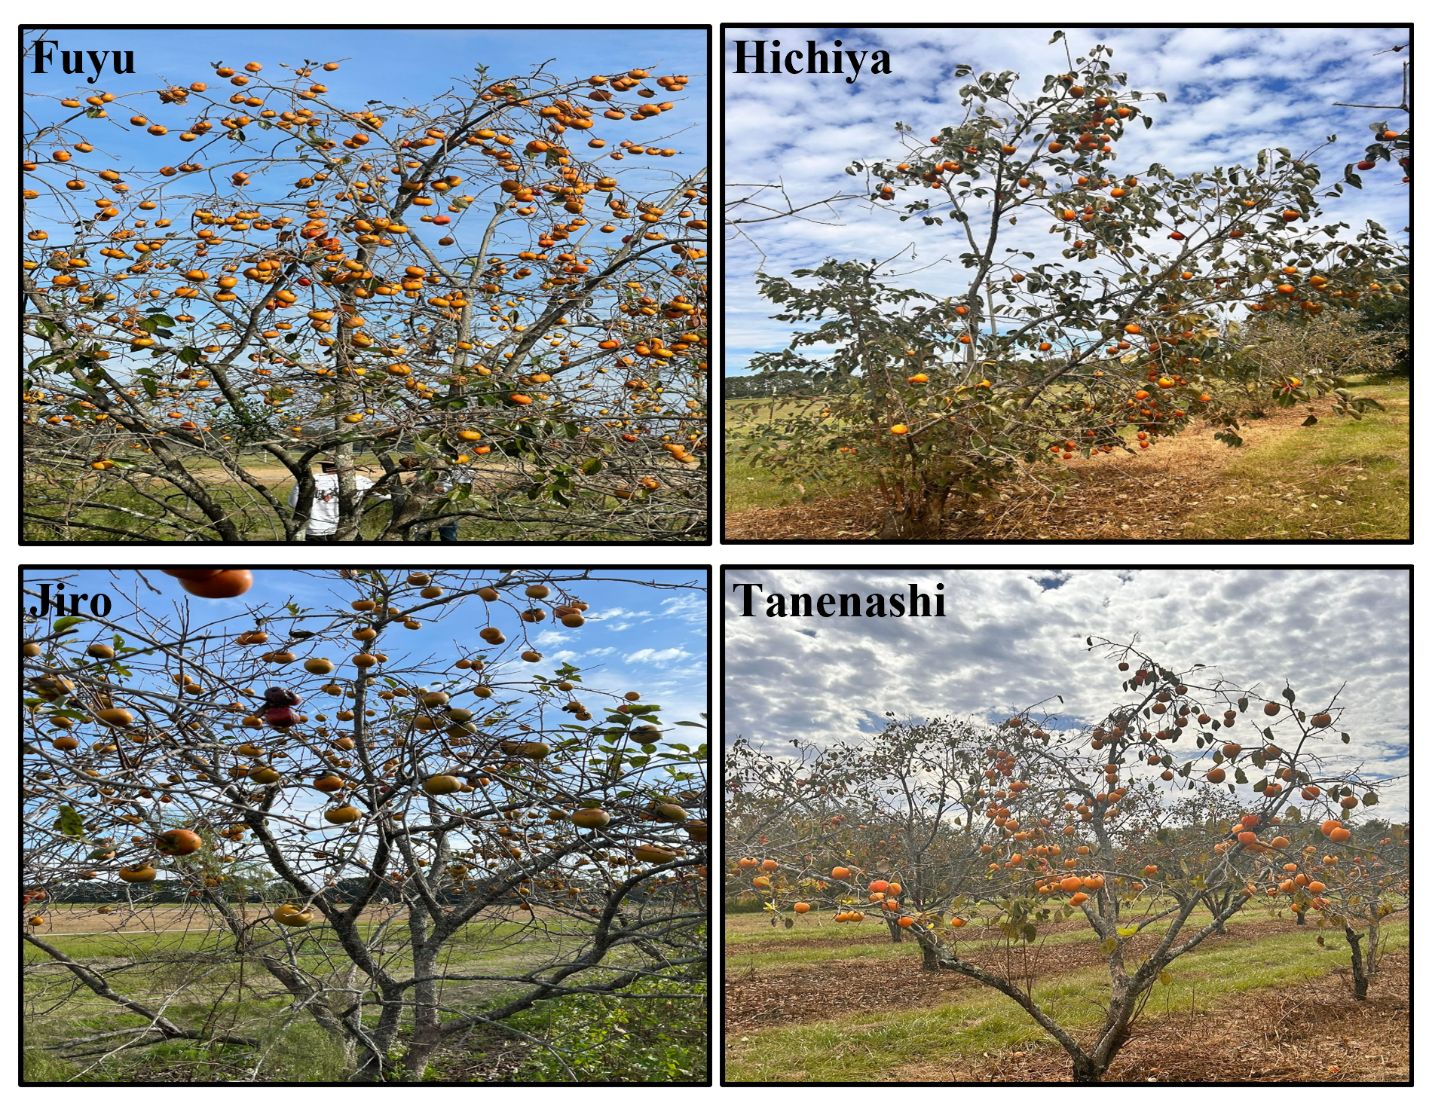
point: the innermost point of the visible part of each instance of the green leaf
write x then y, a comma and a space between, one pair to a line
67, 622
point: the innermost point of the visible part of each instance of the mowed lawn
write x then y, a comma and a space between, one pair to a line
843, 1003
500, 488
168, 958
197, 980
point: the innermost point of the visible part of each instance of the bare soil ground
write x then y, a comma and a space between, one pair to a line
1119, 496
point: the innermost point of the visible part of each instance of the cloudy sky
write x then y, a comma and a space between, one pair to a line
1231, 92
1013, 638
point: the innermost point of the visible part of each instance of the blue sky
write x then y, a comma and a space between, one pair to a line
397, 66
1231, 92
653, 641
1012, 638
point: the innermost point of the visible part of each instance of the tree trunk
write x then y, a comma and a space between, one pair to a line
919, 514
1359, 964
1086, 1070
424, 994
930, 957
896, 933
374, 1067
1302, 918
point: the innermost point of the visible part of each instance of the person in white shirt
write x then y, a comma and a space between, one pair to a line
451, 480
323, 514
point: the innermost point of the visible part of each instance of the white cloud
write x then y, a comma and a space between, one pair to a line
651, 655
687, 607
1231, 92
619, 619
1012, 638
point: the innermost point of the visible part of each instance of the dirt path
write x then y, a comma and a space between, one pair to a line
1143, 496
1119, 496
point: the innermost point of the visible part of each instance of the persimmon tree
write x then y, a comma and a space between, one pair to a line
1150, 830
492, 305
900, 805
1288, 352
1115, 336
1351, 888
415, 848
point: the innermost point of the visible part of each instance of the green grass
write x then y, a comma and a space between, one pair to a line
316, 941
107, 504
1343, 478
749, 483
873, 1046
199, 982
657, 1033
870, 941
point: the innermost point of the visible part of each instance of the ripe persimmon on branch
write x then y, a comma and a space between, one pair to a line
1192, 799
1122, 333
1389, 140
351, 825
492, 306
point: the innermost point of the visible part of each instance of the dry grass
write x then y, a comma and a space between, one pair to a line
1287, 481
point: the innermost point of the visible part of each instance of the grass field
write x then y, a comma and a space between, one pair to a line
117, 508
172, 959
1263, 1001
1340, 479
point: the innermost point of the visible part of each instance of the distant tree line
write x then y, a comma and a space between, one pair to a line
770, 384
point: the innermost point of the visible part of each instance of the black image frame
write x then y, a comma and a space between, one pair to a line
705, 571
727, 858
707, 541
720, 396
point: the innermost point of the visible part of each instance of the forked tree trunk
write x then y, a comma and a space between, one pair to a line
919, 514
1086, 1070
